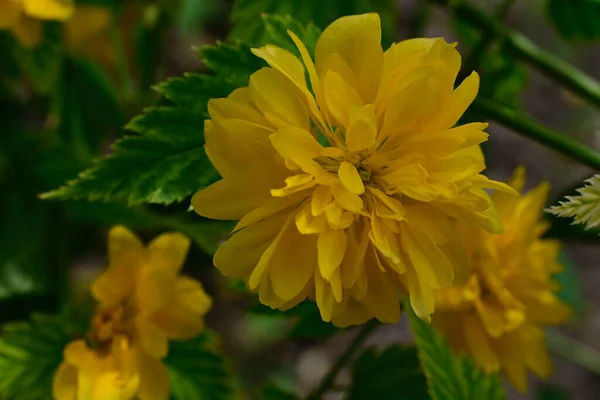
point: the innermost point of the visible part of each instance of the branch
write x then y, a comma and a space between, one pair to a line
512, 119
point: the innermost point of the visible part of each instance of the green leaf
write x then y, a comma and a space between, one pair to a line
30, 353
308, 321
277, 28
42, 64
271, 391
383, 375
198, 371
246, 12
583, 208
450, 377
547, 392
166, 161
575, 19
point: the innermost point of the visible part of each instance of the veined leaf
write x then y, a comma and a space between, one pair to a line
198, 371
390, 374
583, 208
30, 353
450, 377
166, 162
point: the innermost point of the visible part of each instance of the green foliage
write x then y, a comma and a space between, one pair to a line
30, 353
166, 162
450, 377
277, 28
388, 375
575, 19
307, 320
272, 391
547, 392
583, 208
198, 370
321, 13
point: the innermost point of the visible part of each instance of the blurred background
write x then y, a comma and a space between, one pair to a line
65, 100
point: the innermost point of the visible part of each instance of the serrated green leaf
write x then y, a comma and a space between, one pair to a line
198, 371
245, 13
575, 19
389, 374
166, 161
450, 377
583, 208
30, 353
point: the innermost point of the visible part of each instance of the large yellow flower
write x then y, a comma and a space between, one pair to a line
143, 303
349, 187
23, 17
497, 316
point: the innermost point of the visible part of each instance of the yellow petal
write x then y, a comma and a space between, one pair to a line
238, 105
10, 13
480, 344
296, 144
271, 207
348, 200
154, 378
292, 264
151, 338
324, 297
357, 39
350, 178
182, 318
307, 223
294, 184
340, 96
64, 384
222, 199
167, 252
239, 255
320, 198
49, 9
362, 132
331, 249
278, 99
125, 255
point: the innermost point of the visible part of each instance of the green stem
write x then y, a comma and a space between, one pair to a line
328, 381
474, 58
524, 49
573, 350
512, 119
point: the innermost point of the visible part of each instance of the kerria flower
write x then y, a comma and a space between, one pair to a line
498, 315
348, 187
24, 17
143, 302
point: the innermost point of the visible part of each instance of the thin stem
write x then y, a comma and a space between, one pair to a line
512, 119
328, 381
573, 350
522, 48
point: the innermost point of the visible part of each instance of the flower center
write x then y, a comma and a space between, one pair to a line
107, 324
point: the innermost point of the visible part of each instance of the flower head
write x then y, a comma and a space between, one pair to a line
22, 17
497, 316
142, 303
348, 187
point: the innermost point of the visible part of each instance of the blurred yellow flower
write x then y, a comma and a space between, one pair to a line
497, 316
24, 17
348, 189
143, 303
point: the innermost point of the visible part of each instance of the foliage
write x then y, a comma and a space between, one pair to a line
321, 13
29, 354
583, 208
388, 373
198, 370
450, 377
575, 19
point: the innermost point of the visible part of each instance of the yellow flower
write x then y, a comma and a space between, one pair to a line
348, 188
497, 316
22, 17
143, 303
